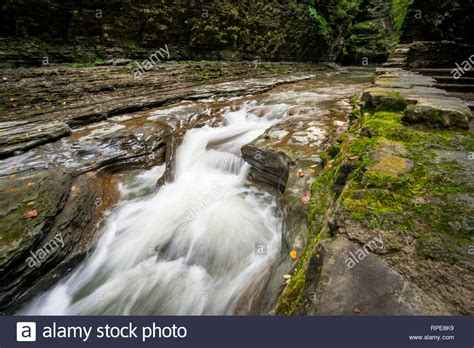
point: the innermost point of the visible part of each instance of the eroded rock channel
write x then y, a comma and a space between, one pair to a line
198, 202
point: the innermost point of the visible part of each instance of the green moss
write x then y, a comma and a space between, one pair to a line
384, 192
365, 203
322, 197
275, 69
392, 102
355, 103
389, 125
207, 74
437, 117
325, 158
437, 247
293, 295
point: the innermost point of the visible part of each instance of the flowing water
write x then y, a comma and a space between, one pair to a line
198, 244
189, 248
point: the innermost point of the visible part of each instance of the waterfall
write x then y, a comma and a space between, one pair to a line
195, 246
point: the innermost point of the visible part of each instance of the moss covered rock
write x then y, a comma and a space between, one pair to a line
414, 190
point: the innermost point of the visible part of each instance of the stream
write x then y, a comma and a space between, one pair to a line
207, 241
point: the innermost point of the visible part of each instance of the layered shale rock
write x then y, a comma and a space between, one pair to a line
229, 30
40, 105
63, 152
67, 198
35, 258
390, 221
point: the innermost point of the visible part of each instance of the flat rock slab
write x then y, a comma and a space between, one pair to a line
353, 281
414, 94
445, 112
40, 105
272, 154
22, 135
403, 79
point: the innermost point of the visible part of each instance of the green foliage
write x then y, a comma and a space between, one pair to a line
399, 11
322, 24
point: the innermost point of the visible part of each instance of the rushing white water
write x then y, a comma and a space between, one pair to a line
190, 247
193, 246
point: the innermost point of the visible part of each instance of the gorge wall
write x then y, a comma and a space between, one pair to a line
439, 20
219, 29
351, 31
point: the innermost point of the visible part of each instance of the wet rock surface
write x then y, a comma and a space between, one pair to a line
41, 105
68, 134
30, 200
390, 220
29, 203
287, 157
370, 287
60, 245
22, 135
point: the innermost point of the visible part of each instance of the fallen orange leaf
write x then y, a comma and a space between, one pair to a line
305, 198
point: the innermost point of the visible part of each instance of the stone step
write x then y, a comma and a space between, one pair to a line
397, 59
423, 100
451, 80
443, 72
402, 50
455, 87
397, 55
391, 64
466, 97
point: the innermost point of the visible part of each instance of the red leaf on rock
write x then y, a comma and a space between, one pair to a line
31, 214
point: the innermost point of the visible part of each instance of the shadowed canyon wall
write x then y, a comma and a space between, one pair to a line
220, 29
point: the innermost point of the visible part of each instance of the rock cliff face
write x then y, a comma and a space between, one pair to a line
438, 20
374, 32
219, 29
369, 36
297, 30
